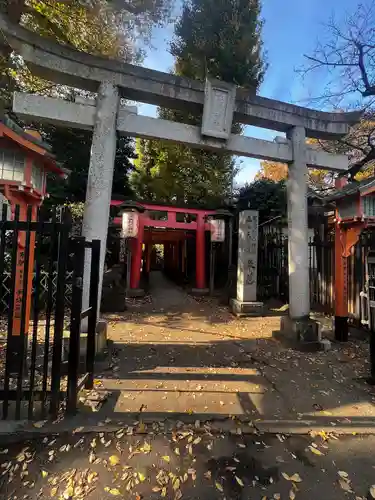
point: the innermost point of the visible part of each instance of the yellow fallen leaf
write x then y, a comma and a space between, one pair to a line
163, 492
39, 424
343, 474
177, 451
292, 495
146, 448
141, 476
189, 411
68, 493
239, 481
296, 478
114, 460
53, 492
166, 458
44, 473
113, 491
315, 450
345, 485
372, 491
218, 486
176, 484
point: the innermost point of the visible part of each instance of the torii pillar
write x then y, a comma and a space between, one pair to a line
298, 322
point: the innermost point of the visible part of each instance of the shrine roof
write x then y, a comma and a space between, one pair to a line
363, 188
14, 133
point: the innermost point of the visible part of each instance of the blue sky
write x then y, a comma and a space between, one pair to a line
291, 29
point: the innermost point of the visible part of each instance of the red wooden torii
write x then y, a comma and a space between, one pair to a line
160, 231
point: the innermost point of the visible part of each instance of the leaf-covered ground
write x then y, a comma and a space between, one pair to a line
192, 462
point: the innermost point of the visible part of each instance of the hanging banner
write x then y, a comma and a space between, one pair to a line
217, 230
130, 224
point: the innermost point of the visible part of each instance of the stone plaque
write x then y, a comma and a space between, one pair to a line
247, 256
219, 102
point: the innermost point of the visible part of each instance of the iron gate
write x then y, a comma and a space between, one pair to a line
40, 368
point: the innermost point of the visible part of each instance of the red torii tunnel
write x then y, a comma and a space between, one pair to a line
169, 232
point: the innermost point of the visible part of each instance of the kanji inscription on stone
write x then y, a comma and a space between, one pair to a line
247, 256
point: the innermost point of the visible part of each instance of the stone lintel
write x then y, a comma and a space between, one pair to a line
240, 308
70, 114
77, 69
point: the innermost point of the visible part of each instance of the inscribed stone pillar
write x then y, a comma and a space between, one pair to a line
246, 301
99, 182
299, 289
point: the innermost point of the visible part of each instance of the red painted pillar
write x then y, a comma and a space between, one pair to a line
148, 250
135, 272
200, 272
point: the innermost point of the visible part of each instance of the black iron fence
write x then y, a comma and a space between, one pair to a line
273, 269
40, 370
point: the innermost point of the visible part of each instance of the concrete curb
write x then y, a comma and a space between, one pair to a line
14, 431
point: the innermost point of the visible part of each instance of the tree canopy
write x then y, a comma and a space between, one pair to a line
108, 28
221, 39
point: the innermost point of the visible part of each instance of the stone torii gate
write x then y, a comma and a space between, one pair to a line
219, 103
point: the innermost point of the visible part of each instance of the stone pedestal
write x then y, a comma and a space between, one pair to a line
100, 342
302, 333
240, 308
245, 303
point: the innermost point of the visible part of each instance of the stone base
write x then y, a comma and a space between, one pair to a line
134, 293
100, 341
200, 292
303, 333
240, 308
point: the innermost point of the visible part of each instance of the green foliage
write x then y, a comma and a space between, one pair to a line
220, 38
266, 196
72, 149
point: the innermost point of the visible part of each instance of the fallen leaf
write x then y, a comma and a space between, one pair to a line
113, 491
277, 496
218, 486
53, 492
292, 495
114, 460
345, 485
239, 481
146, 448
372, 491
315, 451
68, 493
163, 492
295, 478
39, 424
44, 473
178, 495
343, 474
176, 484
177, 451
141, 476
166, 458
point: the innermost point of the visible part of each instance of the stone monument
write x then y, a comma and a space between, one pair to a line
245, 304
